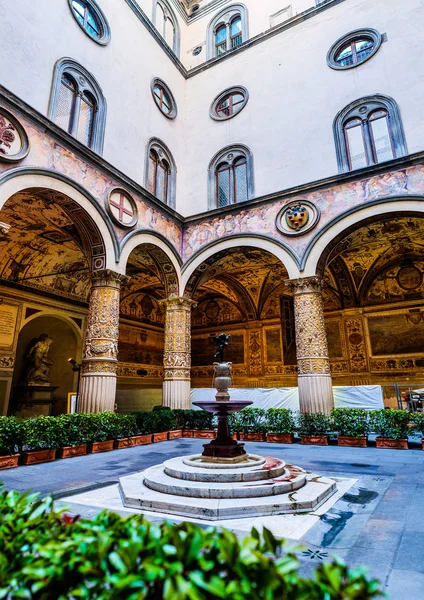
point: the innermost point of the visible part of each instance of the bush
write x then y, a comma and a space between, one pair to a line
46, 555
279, 420
9, 435
73, 430
38, 433
103, 426
390, 423
250, 420
352, 422
127, 425
418, 420
198, 419
313, 424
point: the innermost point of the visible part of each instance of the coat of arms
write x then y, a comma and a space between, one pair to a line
297, 216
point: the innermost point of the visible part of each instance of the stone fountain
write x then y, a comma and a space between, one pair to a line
225, 482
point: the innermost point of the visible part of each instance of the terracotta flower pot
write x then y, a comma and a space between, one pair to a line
123, 443
204, 434
96, 447
35, 457
280, 438
175, 434
252, 437
356, 442
188, 433
234, 436
8, 462
70, 451
382, 442
141, 440
316, 440
422, 443
160, 437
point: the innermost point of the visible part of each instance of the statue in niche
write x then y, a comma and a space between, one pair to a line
38, 373
222, 340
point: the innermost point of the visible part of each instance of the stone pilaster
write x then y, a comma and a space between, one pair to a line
177, 352
314, 378
99, 363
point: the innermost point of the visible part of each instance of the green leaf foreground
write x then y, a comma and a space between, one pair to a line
45, 556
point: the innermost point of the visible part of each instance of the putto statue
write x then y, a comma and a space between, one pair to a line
222, 340
38, 373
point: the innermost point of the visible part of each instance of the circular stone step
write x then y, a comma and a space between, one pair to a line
255, 468
292, 478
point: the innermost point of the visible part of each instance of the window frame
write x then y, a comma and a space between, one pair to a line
235, 89
225, 17
85, 84
164, 155
363, 109
168, 14
351, 37
173, 109
231, 156
92, 5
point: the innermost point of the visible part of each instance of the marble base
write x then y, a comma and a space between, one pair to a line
228, 493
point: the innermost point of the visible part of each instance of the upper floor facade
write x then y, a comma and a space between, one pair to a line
212, 103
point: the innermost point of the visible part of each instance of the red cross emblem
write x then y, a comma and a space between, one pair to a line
121, 208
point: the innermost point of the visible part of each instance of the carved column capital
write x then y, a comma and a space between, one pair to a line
306, 285
107, 278
178, 303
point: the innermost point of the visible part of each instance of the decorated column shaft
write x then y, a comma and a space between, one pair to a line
99, 363
314, 377
177, 352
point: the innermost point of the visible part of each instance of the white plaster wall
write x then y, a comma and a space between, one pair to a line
124, 68
294, 96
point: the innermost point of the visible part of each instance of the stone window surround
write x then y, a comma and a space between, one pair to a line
162, 84
224, 17
85, 82
238, 150
171, 15
376, 37
164, 153
104, 25
234, 89
375, 102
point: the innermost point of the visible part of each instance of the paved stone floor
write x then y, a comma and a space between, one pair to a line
378, 522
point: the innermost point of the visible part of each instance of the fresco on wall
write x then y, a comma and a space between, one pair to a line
396, 334
140, 346
203, 349
273, 344
334, 340
213, 311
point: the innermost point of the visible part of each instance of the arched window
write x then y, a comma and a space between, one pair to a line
167, 25
227, 30
160, 172
91, 19
230, 177
77, 104
367, 132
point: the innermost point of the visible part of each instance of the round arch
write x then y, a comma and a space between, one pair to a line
372, 210
139, 238
56, 315
23, 178
260, 243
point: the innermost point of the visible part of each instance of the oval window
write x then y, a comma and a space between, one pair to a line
164, 99
91, 19
229, 103
353, 49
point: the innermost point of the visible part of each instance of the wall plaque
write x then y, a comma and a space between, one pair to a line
8, 318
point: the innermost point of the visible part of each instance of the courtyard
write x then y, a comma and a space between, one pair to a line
375, 519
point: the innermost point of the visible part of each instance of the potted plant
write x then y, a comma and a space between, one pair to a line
72, 433
313, 428
177, 424
418, 419
104, 429
352, 426
158, 422
144, 434
392, 425
252, 424
38, 440
8, 442
126, 431
280, 425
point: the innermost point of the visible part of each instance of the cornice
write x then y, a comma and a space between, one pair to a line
13, 102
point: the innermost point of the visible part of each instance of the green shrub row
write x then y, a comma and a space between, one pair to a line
48, 555
353, 422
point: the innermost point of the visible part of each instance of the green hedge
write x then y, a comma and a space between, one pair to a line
46, 555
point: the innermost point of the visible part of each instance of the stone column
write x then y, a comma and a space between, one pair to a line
99, 363
314, 377
177, 352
